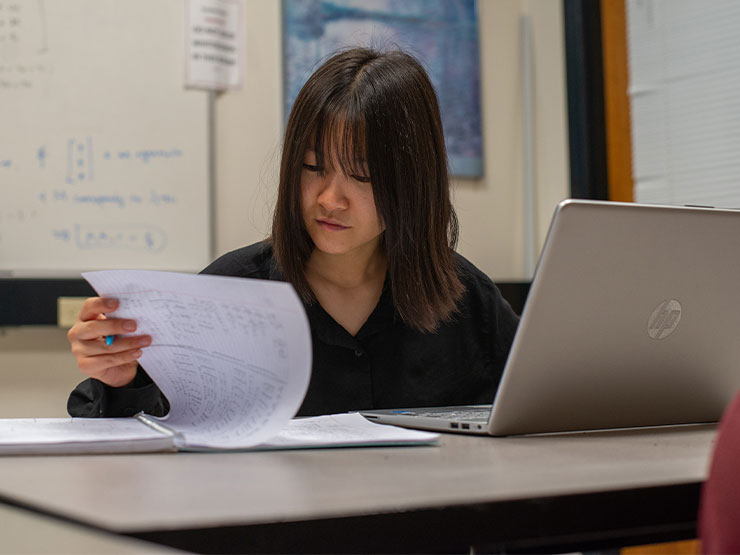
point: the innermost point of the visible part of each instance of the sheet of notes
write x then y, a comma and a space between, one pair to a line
27, 436
43, 430
351, 429
232, 355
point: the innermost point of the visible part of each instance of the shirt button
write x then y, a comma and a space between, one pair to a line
358, 353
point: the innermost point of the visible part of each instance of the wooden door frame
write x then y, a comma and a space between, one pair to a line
616, 100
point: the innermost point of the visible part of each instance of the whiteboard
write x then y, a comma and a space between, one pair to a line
104, 155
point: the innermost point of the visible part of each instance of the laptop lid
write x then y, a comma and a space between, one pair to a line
633, 319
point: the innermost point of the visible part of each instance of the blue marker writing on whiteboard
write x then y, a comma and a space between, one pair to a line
109, 340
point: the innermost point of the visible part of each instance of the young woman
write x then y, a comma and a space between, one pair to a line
364, 230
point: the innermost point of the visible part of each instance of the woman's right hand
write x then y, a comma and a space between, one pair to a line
113, 364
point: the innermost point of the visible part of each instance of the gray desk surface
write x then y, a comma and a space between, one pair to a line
193, 500
24, 532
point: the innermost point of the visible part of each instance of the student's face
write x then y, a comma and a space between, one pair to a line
338, 210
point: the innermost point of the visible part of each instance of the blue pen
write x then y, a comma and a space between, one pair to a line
109, 340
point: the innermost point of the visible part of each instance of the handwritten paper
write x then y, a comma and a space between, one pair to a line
232, 355
30, 436
344, 430
23, 436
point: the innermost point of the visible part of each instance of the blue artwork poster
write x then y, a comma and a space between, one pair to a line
442, 34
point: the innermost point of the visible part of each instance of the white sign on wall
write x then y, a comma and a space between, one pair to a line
213, 39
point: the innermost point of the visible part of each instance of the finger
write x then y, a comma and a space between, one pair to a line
93, 329
95, 365
95, 306
99, 347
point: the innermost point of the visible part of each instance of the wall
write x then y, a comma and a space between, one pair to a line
490, 209
36, 370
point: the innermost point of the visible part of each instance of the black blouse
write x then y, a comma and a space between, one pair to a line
387, 364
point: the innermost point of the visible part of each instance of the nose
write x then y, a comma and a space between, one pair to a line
332, 195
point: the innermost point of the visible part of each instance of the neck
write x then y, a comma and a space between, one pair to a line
348, 270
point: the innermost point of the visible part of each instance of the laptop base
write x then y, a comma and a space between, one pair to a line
467, 419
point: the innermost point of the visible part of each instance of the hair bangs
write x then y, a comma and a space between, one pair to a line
340, 142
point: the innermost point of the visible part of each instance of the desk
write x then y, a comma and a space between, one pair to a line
549, 492
24, 532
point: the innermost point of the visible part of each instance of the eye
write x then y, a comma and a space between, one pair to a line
312, 168
361, 178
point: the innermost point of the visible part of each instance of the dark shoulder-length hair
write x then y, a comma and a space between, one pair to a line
365, 110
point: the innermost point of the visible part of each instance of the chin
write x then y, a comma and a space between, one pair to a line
329, 247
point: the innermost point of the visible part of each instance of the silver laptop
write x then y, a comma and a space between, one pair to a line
633, 319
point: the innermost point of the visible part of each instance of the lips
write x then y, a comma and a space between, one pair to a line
331, 225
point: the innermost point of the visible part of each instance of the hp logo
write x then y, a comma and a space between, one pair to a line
664, 319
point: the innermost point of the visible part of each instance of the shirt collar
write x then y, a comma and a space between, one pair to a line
327, 330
